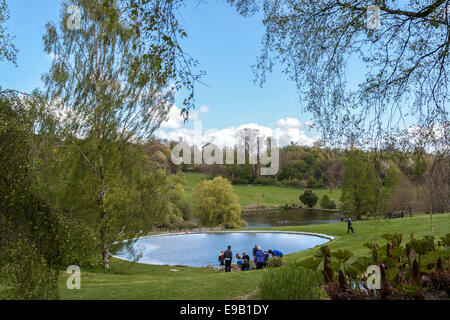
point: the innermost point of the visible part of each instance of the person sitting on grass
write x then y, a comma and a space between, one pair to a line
276, 253
239, 261
246, 265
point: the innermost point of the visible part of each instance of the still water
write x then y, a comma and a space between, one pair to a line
202, 249
292, 217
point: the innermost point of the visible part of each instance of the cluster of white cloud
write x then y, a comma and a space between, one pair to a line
175, 119
283, 131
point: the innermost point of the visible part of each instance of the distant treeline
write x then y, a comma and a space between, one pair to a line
300, 166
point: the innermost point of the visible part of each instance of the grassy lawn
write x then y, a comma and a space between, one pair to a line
273, 195
138, 281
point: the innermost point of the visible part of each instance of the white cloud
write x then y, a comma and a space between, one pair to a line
175, 119
284, 131
288, 123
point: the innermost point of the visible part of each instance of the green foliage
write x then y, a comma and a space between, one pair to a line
402, 276
217, 205
324, 251
7, 49
275, 262
327, 203
358, 185
35, 240
309, 198
117, 97
311, 263
290, 283
446, 240
178, 199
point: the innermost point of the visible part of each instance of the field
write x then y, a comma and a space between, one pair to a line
263, 195
138, 281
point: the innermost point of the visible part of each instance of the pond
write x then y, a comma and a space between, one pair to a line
291, 217
202, 249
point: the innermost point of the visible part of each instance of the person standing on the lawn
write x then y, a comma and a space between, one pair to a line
260, 258
349, 225
228, 257
255, 248
221, 260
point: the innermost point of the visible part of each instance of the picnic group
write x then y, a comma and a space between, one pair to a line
242, 262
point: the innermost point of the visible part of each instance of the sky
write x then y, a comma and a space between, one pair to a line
226, 46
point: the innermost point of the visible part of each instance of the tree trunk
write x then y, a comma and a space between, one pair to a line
431, 222
105, 254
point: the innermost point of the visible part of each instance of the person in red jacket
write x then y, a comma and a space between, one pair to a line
221, 260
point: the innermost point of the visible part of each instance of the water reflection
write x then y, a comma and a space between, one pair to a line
292, 217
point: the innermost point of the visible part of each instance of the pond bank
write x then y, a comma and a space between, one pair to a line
252, 209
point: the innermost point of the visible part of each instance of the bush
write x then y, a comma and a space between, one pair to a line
264, 181
417, 270
290, 283
309, 198
327, 203
275, 262
181, 203
312, 183
293, 182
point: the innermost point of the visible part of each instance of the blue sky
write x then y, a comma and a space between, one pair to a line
226, 46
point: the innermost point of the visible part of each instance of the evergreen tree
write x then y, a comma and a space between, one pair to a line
309, 198
358, 185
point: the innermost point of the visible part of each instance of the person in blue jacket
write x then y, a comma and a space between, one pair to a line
259, 258
350, 225
276, 253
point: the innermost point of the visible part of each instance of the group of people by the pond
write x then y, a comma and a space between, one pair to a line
242, 262
391, 215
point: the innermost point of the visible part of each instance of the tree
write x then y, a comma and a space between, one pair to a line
309, 198
36, 241
407, 61
326, 203
358, 185
7, 49
114, 96
216, 204
436, 189
402, 195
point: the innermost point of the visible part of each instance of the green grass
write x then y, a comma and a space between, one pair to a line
138, 281
273, 195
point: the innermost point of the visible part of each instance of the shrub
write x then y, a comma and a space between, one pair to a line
309, 198
264, 180
275, 262
181, 203
290, 283
414, 271
312, 183
327, 203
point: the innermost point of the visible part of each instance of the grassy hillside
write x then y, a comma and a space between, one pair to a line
138, 281
263, 195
